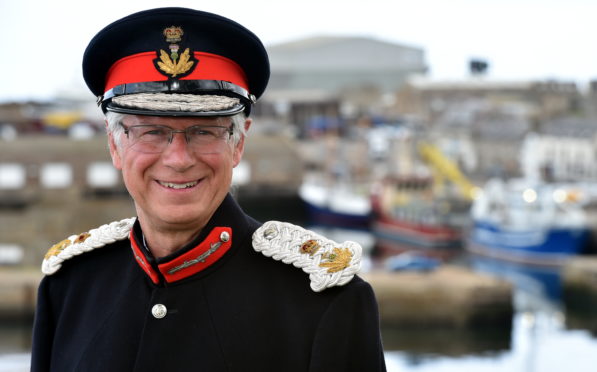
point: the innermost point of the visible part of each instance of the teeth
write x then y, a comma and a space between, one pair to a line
178, 185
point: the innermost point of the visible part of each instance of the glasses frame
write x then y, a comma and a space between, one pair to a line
172, 131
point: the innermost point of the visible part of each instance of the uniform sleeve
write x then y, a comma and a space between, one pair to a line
348, 337
43, 330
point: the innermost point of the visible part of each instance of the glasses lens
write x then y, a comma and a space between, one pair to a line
207, 139
149, 138
201, 139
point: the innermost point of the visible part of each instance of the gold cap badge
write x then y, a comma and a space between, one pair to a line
174, 65
173, 34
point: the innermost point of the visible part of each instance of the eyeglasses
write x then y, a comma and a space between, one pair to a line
153, 139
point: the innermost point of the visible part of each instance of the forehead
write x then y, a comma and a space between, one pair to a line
176, 121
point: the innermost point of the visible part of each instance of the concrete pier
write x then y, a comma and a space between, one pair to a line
579, 284
448, 297
579, 292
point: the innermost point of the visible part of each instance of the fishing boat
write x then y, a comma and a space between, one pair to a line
336, 204
528, 222
409, 215
425, 206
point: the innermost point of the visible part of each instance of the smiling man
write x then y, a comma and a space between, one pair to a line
177, 169
192, 283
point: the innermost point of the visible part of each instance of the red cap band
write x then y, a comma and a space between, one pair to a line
140, 68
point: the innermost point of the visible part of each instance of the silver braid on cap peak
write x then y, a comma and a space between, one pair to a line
176, 102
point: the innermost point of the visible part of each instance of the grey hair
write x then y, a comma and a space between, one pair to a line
113, 120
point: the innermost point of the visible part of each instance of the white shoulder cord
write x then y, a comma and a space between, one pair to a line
77, 244
327, 262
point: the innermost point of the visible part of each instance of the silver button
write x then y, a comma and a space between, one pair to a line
159, 311
224, 236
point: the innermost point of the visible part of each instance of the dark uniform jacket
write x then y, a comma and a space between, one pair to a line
245, 312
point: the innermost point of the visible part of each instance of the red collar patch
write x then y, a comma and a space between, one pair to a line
210, 250
142, 261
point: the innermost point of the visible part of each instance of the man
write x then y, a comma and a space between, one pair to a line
192, 283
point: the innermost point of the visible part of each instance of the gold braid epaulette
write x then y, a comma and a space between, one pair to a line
77, 244
327, 262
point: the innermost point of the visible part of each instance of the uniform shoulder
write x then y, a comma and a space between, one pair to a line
75, 245
328, 263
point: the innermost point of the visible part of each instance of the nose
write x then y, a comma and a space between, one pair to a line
177, 154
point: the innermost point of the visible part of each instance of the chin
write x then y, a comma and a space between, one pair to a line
181, 215
183, 218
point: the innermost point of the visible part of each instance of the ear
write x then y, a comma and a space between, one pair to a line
114, 152
240, 147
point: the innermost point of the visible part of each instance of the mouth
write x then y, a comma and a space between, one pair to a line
178, 186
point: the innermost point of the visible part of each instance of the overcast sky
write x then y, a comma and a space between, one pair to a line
42, 42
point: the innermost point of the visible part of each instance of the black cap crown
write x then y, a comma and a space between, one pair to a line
176, 61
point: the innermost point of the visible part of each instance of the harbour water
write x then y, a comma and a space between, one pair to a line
540, 342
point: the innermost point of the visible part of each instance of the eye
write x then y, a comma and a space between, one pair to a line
153, 132
203, 131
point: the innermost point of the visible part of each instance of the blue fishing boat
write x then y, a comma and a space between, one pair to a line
336, 204
534, 223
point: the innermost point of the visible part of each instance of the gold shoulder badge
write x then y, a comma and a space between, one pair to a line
310, 246
82, 237
328, 263
173, 64
57, 248
337, 261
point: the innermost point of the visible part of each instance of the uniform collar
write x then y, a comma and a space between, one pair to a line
212, 243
